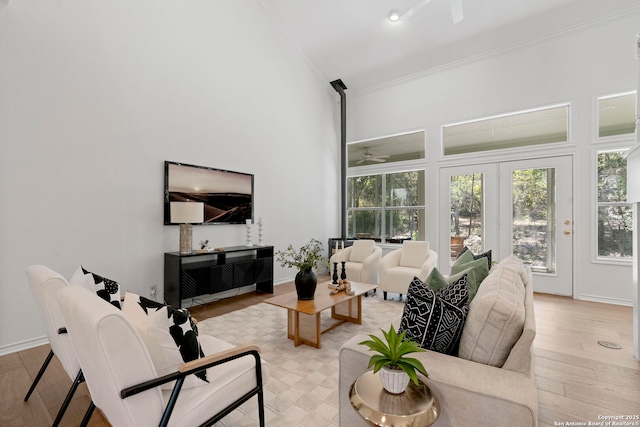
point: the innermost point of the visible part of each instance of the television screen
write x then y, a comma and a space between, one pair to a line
227, 195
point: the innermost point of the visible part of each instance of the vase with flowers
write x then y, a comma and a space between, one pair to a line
305, 259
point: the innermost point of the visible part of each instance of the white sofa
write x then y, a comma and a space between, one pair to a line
491, 382
361, 261
398, 268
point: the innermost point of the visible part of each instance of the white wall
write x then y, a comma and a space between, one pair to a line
96, 95
574, 67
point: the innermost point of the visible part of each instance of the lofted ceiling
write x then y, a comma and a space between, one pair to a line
354, 41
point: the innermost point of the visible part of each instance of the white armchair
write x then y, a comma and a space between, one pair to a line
398, 268
45, 285
125, 385
361, 261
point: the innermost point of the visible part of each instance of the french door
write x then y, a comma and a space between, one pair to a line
521, 208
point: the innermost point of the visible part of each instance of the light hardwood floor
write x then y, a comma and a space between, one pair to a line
578, 380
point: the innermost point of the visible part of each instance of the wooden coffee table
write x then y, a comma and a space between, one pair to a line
303, 318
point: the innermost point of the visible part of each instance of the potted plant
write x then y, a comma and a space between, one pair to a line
305, 260
395, 368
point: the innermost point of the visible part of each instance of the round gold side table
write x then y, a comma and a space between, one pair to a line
416, 407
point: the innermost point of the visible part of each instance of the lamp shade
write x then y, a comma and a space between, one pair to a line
187, 212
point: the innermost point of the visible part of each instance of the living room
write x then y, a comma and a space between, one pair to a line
96, 96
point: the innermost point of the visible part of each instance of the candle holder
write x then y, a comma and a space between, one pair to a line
249, 242
260, 242
343, 276
335, 273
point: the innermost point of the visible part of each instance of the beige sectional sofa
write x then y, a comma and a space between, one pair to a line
491, 381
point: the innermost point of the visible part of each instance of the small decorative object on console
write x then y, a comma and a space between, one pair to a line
343, 285
249, 241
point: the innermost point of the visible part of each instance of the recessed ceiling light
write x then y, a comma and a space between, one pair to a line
394, 15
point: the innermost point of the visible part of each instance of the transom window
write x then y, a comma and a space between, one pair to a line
534, 127
391, 149
617, 115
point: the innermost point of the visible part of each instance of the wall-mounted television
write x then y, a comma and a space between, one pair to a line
227, 195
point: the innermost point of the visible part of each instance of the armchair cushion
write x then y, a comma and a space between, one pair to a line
414, 253
107, 289
361, 249
435, 319
170, 334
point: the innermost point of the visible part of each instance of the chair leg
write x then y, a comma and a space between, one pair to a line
261, 408
384, 294
40, 372
87, 415
79, 379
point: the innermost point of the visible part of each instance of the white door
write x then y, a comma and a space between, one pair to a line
536, 219
522, 208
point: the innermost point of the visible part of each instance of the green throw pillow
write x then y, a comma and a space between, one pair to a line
436, 280
476, 270
464, 257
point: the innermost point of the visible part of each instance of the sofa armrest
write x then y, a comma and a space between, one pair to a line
469, 393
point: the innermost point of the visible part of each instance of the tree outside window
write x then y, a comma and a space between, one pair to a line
386, 207
615, 220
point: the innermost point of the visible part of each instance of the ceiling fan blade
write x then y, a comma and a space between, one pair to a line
359, 161
456, 10
376, 159
416, 7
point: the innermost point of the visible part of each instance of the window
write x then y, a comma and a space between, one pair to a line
386, 207
617, 115
615, 220
391, 149
543, 126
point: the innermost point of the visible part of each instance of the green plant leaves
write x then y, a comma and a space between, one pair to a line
393, 352
306, 258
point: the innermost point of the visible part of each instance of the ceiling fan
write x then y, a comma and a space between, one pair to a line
456, 11
368, 156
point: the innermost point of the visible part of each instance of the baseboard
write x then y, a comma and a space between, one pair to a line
614, 301
23, 345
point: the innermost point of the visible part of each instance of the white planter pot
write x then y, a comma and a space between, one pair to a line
394, 380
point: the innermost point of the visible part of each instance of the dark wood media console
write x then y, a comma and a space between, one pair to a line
188, 276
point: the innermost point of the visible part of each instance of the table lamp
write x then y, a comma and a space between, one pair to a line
185, 214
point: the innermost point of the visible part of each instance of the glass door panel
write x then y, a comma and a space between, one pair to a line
536, 219
472, 220
533, 222
467, 225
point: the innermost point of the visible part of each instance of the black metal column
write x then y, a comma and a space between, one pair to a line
340, 87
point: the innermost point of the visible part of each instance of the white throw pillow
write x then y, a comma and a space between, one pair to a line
414, 253
107, 289
166, 331
361, 249
495, 319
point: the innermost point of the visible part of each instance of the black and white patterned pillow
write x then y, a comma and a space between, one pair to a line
107, 289
170, 334
435, 319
